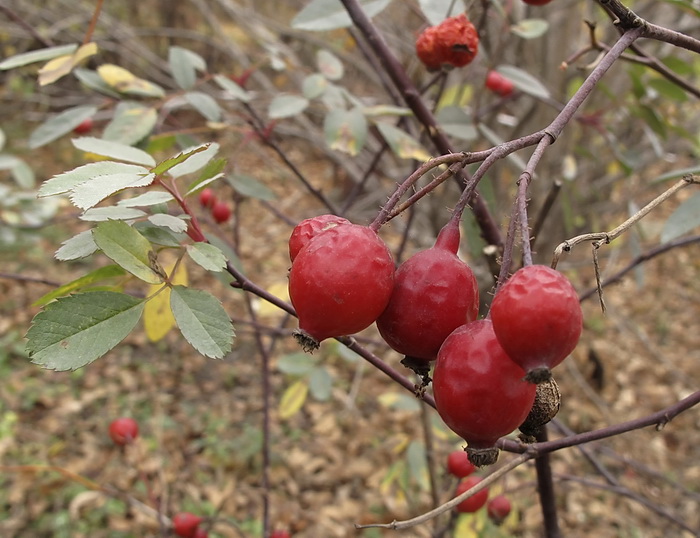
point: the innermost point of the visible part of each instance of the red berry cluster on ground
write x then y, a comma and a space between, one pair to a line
435, 292
186, 525
537, 319
123, 431
499, 84
454, 42
220, 211
339, 283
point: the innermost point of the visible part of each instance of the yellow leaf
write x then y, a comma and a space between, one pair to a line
278, 289
59, 67
465, 527
157, 316
293, 399
125, 81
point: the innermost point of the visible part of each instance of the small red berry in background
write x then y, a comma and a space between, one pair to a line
458, 464
123, 431
434, 293
207, 198
339, 283
476, 501
537, 319
499, 84
479, 391
537, 2
221, 212
498, 509
307, 229
200, 533
186, 524
84, 126
453, 42
280, 534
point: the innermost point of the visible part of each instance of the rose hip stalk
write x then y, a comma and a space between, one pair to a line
339, 283
434, 293
479, 391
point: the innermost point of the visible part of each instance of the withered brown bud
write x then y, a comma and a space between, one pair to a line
544, 409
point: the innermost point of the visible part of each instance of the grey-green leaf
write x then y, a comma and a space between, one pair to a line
173, 223
197, 158
296, 364
131, 123
78, 246
438, 10
202, 320
530, 28
233, 89
685, 218
208, 256
92, 192
74, 331
249, 186
113, 150
320, 384
205, 104
183, 64
41, 55
524, 81
59, 125
99, 214
285, 106
67, 181
128, 248
321, 15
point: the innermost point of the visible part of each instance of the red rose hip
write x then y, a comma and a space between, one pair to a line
186, 524
310, 228
434, 293
537, 319
453, 42
123, 431
499, 84
476, 501
479, 391
221, 212
498, 509
458, 464
207, 198
339, 283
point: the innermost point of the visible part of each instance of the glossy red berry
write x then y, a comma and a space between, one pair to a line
84, 126
221, 212
476, 501
453, 42
185, 524
458, 464
280, 534
309, 228
207, 198
499, 84
537, 319
434, 293
340, 283
479, 391
537, 2
123, 430
498, 509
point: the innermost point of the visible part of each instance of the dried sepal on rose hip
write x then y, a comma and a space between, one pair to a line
479, 391
537, 319
340, 283
434, 293
544, 409
452, 43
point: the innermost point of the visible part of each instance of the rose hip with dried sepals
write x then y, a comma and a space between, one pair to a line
307, 229
340, 283
434, 293
479, 391
537, 319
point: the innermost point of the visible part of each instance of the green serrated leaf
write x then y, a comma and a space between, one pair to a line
41, 55
59, 125
249, 186
67, 181
159, 235
173, 223
113, 150
99, 214
321, 15
169, 164
195, 159
320, 384
76, 330
210, 173
208, 256
202, 320
98, 275
78, 246
147, 199
93, 191
128, 248
131, 123
296, 364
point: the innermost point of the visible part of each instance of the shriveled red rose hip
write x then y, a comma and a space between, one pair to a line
310, 228
479, 391
339, 283
537, 319
434, 293
454, 42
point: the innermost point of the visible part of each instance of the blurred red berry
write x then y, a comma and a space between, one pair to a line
458, 464
186, 524
123, 431
476, 501
453, 42
537, 2
280, 534
498, 509
84, 126
221, 212
499, 84
207, 198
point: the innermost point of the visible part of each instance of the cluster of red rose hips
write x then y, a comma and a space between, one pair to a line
220, 210
498, 508
489, 372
